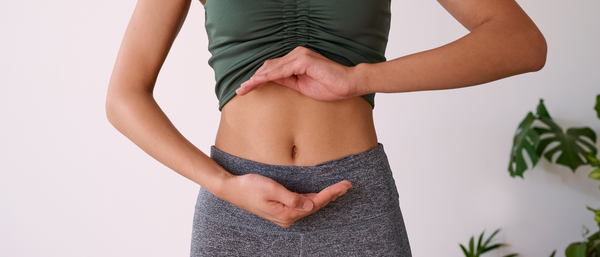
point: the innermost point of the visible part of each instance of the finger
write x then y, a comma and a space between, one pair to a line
286, 72
298, 54
271, 64
297, 67
292, 200
248, 86
330, 193
282, 70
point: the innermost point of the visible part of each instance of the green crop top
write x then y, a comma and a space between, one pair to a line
243, 34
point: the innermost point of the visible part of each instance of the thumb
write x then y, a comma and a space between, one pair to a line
330, 193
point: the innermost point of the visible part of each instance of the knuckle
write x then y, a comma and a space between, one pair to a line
268, 62
284, 220
294, 200
288, 219
283, 224
249, 178
301, 50
270, 188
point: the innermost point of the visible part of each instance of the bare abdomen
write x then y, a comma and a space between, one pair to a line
279, 126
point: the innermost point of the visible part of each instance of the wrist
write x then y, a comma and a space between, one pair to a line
211, 176
363, 77
220, 184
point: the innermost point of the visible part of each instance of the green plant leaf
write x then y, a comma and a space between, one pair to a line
595, 174
471, 249
526, 138
593, 245
576, 250
596, 215
490, 238
584, 231
491, 247
569, 144
592, 159
541, 110
479, 246
594, 237
597, 107
467, 254
511, 255
553, 253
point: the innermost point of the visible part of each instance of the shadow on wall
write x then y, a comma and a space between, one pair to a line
563, 176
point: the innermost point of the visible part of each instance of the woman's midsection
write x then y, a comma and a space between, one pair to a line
277, 125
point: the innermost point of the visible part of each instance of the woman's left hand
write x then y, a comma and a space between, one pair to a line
309, 73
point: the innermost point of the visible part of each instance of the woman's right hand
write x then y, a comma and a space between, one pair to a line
131, 108
270, 200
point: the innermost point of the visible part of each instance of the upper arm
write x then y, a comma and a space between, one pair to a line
146, 43
504, 23
473, 13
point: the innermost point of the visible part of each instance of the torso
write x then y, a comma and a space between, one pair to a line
279, 126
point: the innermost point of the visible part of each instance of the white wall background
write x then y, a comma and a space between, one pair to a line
71, 185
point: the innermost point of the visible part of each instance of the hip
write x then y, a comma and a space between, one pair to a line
366, 221
373, 193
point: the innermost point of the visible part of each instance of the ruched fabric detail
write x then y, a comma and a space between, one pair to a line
243, 34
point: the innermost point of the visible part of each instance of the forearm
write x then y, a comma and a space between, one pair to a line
137, 116
130, 106
502, 46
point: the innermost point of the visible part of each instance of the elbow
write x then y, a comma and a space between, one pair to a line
539, 57
114, 105
110, 108
535, 52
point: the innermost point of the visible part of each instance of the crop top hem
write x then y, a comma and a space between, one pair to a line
370, 98
243, 34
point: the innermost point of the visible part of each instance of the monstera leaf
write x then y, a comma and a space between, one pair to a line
526, 139
572, 149
569, 148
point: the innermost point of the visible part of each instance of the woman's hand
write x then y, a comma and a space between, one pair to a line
309, 73
270, 200
503, 41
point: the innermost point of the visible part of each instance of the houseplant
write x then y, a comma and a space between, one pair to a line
482, 246
573, 149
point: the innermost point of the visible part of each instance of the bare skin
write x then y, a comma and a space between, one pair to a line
279, 126
274, 124
503, 41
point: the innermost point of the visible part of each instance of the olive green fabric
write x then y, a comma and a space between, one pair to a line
244, 33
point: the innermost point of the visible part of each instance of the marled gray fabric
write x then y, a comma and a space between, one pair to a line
366, 221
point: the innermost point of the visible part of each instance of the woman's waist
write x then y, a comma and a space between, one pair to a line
373, 193
277, 125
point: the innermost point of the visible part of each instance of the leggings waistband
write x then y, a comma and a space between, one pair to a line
373, 193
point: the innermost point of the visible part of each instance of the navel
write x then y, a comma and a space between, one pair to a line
294, 152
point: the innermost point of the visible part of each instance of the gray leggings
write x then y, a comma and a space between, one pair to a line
366, 221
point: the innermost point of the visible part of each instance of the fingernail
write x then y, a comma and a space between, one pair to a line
308, 205
343, 192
